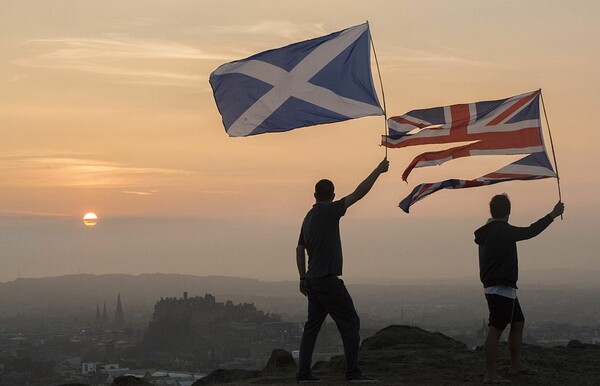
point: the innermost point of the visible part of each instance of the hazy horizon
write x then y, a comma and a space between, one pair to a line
531, 278
106, 108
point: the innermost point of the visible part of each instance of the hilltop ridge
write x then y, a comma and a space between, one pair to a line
408, 355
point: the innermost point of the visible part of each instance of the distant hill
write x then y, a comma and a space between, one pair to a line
383, 301
81, 292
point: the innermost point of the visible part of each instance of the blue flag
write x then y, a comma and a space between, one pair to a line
322, 80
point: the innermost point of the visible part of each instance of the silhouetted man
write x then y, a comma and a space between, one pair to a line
327, 294
498, 271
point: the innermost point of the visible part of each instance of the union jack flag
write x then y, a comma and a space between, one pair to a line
500, 127
532, 167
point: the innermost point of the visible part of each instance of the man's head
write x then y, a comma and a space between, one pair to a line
324, 191
500, 206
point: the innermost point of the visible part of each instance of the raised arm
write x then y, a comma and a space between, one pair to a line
558, 210
524, 233
364, 187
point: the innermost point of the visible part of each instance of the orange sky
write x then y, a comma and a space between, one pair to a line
106, 107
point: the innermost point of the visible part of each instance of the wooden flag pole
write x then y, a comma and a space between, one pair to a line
552, 147
385, 130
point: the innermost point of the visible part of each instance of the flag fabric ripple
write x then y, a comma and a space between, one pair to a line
322, 80
532, 167
500, 127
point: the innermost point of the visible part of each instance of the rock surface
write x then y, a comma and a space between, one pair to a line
127, 380
412, 356
281, 361
228, 376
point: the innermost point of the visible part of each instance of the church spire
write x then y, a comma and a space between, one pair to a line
97, 321
119, 315
105, 320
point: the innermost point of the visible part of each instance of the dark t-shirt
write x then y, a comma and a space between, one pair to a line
497, 240
320, 234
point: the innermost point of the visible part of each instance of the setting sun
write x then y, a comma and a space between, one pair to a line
90, 219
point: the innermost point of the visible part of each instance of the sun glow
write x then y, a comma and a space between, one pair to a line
90, 219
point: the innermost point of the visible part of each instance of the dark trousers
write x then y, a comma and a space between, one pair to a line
328, 295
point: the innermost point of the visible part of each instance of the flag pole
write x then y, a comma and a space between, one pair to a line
385, 129
552, 147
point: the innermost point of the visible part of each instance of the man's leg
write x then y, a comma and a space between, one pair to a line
490, 349
515, 341
316, 316
341, 308
501, 309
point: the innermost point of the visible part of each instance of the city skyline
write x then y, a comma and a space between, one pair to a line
106, 108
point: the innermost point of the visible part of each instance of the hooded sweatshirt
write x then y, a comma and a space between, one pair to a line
497, 240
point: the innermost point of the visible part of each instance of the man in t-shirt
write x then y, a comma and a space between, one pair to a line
327, 294
499, 271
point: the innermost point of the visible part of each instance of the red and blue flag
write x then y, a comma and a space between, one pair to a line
500, 127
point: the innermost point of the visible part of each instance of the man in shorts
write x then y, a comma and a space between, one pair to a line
499, 271
327, 294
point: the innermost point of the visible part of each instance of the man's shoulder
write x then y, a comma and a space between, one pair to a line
329, 205
340, 206
491, 231
327, 209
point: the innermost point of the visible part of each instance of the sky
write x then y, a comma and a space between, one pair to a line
105, 106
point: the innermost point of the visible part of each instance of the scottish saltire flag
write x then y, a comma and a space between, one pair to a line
506, 126
532, 167
322, 80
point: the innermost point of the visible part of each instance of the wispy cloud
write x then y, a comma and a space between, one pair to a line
140, 22
136, 193
23, 213
134, 61
287, 29
14, 78
119, 47
66, 170
400, 57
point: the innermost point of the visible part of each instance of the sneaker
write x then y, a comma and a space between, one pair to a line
361, 378
308, 378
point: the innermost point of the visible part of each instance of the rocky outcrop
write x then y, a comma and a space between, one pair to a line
228, 376
412, 356
73, 384
400, 337
127, 380
281, 367
280, 361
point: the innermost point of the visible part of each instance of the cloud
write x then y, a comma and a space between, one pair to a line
134, 61
408, 57
150, 193
119, 47
287, 29
22, 213
14, 78
51, 170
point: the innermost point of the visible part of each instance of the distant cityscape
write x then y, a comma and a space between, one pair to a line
189, 336
183, 338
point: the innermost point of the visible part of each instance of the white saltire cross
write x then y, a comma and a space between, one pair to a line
295, 83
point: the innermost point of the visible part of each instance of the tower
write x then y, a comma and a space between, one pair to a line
98, 320
105, 319
119, 315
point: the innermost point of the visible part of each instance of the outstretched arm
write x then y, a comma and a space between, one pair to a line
525, 233
364, 187
558, 210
